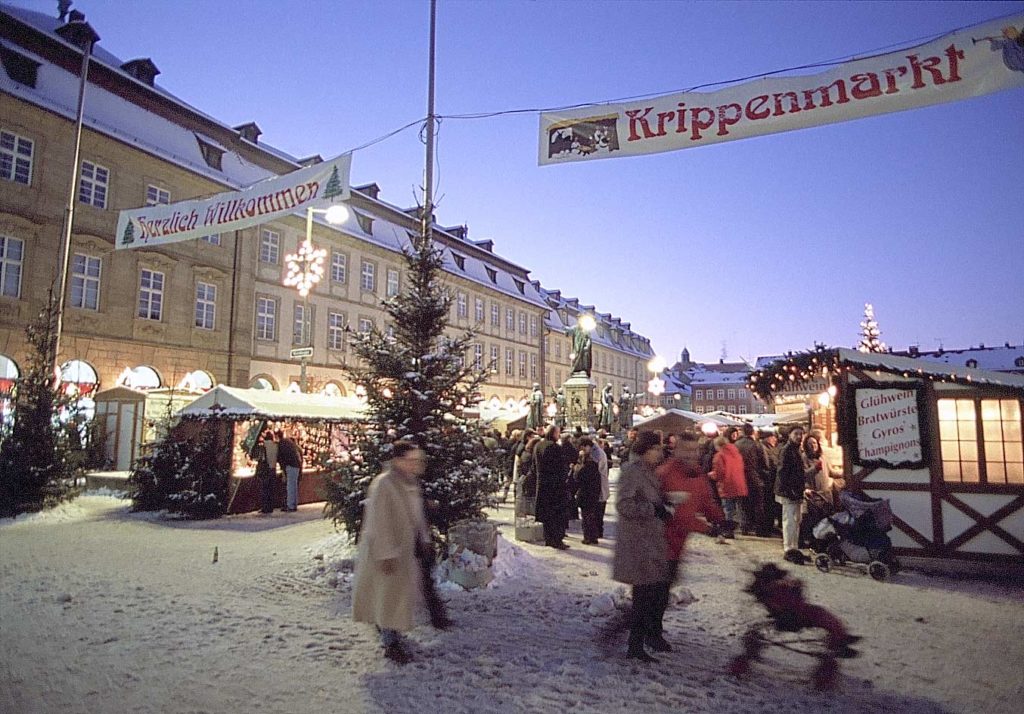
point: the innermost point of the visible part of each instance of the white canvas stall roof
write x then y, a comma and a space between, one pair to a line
721, 419
911, 366
224, 401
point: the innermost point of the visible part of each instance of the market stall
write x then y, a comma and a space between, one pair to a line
942, 443
320, 424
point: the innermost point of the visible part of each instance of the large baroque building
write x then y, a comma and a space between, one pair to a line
215, 310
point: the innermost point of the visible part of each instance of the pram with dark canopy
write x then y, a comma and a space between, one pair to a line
856, 535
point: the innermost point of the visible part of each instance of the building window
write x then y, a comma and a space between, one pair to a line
335, 330
522, 364
492, 274
368, 277
459, 261
721, 407
495, 315
206, 305
151, 295
980, 440
11, 255
510, 319
558, 376
533, 365
461, 305
721, 395
972, 363
732, 394
520, 285
558, 349
93, 185
15, 158
522, 323
365, 324
509, 361
533, 325
478, 356
266, 318
339, 267
270, 246
478, 309
212, 239
494, 358
393, 282
699, 394
156, 196
743, 409
85, 281
300, 326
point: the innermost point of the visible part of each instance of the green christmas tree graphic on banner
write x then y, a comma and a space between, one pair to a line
129, 234
333, 187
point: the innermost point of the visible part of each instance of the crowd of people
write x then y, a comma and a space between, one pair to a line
738, 481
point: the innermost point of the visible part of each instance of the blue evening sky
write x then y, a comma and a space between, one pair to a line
743, 248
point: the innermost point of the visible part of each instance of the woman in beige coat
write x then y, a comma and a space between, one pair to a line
387, 589
640, 548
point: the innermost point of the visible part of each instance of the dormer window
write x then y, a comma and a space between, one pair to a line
19, 67
249, 132
459, 261
1019, 362
142, 69
492, 274
520, 285
972, 363
365, 223
211, 150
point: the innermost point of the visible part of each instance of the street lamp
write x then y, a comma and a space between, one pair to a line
305, 269
656, 386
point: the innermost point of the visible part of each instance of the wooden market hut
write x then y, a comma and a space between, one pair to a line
234, 414
942, 443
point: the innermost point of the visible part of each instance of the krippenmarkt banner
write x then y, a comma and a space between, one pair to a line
968, 63
259, 203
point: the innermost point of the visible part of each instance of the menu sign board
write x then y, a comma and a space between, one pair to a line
888, 427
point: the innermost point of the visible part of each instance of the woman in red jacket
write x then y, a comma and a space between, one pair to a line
727, 472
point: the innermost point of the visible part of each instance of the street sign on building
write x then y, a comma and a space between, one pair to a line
299, 352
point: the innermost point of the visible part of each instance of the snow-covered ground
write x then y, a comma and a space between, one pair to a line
102, 610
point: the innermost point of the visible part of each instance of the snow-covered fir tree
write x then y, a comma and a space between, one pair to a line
36, 471
869, 333
418, 381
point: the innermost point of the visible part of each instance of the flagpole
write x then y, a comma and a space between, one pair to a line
88, 39
428, 181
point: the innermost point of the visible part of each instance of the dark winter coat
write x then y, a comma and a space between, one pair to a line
754, 462
792, 478
552, 482
588, 484
289, 454
640, 548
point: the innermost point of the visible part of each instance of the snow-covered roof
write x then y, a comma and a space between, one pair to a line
231, 402
1005, 358
911, 366
700, 378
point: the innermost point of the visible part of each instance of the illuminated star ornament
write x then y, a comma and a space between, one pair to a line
656, 387
305, 268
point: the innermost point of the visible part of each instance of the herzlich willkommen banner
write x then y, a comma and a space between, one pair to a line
264, 201
978, 60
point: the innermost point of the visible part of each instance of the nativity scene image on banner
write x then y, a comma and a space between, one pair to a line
886, 425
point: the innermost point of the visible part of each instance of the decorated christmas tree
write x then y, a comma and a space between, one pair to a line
129, 234
35, 466
869, 332
417, 382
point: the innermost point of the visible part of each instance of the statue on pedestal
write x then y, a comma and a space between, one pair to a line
560, 405
535, 417
581, 351
626, 408
607, 417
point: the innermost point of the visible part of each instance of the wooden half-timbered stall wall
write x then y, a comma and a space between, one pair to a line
956, 484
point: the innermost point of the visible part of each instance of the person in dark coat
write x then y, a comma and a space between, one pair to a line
755, 466
790, 485
290, 457
587, 479
552, 488
265, 454
769, 443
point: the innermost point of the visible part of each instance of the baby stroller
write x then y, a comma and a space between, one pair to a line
856, 535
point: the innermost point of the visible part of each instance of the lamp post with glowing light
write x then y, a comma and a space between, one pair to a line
305, 269
657, 385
